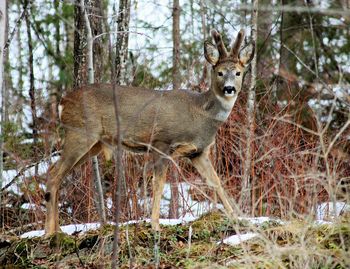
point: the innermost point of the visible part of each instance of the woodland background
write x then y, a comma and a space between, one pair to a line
283, 151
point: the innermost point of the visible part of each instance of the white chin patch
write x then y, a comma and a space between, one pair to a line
231, 94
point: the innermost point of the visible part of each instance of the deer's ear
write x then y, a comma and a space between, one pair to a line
246, 54
211, 53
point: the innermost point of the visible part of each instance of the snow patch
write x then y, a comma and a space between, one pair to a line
83, 228
68, 229
260, 220
31, 206
187, 206
8, 175
109, 203
331, 210
238, 238
31, 234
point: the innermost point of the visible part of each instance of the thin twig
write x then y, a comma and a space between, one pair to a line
297, 9
336, 137
17, 24
122, 32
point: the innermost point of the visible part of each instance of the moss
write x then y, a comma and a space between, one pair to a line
63, 243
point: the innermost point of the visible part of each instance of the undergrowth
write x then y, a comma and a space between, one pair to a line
297, 244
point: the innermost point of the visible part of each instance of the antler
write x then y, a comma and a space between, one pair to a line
237, 44
219, 44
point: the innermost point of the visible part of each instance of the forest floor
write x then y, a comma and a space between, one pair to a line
211, 241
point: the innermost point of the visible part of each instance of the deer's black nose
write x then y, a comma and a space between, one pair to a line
229, 89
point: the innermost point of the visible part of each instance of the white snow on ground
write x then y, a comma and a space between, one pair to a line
238, 238
260, 220
330, 210
82, 228
68, 229
109, 203
8, 175
187, 206
322, 222
28, 206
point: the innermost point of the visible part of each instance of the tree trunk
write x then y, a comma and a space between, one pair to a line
3, 20
176, 45
248, 162
80, 75
99, 48
83, 58
174, 201
121, 55
203, 80
118, 76
31, 85
57, 91
122, 42
290, 36
7, 78
18, 92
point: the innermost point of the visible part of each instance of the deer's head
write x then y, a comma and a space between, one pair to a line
228, 67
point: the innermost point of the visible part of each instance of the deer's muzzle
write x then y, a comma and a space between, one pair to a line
229, 90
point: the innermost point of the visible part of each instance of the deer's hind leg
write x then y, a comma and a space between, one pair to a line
158, 182
74, 152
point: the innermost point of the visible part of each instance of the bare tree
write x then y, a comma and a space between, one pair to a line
98, 184
80, 76
174, 202
3, 20
31, 83
122, 41
82, 59
204, 32
247, 165
176, 45
119, 76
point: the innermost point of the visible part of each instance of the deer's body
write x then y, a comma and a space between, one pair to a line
147, 117
176, 123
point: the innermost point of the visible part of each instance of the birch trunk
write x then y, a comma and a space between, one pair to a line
248, 162
91, 79
118, 76
122, 42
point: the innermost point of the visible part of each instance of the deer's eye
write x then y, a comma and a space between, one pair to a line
220, 74
238, 74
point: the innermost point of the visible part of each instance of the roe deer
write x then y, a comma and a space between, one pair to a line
176, 123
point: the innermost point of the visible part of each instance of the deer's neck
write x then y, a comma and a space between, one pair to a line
218, 108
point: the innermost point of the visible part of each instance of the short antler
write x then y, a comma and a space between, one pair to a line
237, 44
219, 44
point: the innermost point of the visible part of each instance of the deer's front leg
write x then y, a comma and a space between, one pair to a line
158, 181
51, 197
205, 168
74, 152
